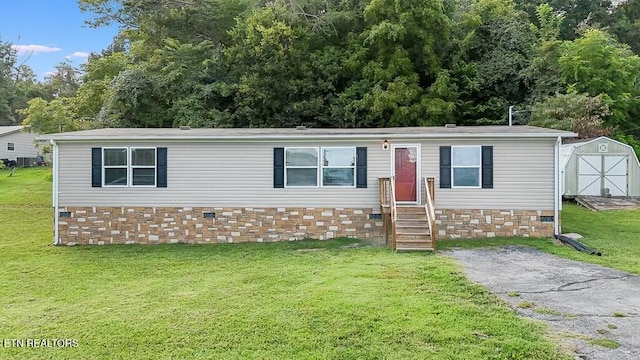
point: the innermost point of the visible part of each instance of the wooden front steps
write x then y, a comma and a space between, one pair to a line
412, 231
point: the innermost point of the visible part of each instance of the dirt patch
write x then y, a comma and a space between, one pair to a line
593, 309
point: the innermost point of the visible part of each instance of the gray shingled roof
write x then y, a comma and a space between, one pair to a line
293, 133
5, 130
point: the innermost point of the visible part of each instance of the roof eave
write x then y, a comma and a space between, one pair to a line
308, 137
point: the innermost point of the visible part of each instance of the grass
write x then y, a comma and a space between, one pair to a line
606, 343
239, 301
614, 233
547, 311
525, 304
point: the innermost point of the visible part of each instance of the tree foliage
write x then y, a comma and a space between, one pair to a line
343, 63
575, 112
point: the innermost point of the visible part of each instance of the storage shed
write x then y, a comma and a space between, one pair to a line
597, 166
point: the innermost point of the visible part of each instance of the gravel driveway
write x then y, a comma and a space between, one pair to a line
590, 307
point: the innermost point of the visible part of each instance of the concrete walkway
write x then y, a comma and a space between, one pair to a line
584, 303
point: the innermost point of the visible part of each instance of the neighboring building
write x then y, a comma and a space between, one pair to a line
239, 185
17, 145
596, 166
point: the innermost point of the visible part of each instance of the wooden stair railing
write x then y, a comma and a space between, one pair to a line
385, 205
394, 211
406, 227
429, 186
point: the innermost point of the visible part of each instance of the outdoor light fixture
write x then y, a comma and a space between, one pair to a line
385, 145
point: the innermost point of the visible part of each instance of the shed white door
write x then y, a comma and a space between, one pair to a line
596, 172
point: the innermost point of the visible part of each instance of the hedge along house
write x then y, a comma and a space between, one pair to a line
240, 185
599, 166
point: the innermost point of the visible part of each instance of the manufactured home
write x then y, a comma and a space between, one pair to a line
259, 185
600, 166
18, 145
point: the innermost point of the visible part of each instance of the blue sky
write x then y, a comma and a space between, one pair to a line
52, 31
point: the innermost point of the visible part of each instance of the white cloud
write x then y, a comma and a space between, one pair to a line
34, 49
49, 73
80, 54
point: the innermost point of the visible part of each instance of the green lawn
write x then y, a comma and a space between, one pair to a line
238, 301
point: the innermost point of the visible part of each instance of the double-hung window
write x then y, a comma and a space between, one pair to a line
129, 166
116, 166
338, 166
466, 166
11, 146
320, 166
143, 167
301, 164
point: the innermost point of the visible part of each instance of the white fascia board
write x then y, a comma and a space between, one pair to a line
312, 138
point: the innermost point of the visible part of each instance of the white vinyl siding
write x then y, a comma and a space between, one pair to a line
222, 174
522, 175
23, 145
240, 174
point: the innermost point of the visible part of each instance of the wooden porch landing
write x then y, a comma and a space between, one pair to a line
599, 203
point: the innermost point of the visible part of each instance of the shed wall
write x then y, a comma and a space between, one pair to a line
614, 147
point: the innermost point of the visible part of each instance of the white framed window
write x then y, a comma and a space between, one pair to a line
320, 166
143, 167
115, 166
339, 166
122, 167
466, 165
11, 146
301, 166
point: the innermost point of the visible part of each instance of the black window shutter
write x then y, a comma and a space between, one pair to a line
487, 167
361, 167
161, 180
278, 167
96, 167
445, 167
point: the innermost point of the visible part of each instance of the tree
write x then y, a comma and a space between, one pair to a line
575, 112
495, 50
47, 117
7, 88
597, 64
99, 72
544, 75
624, 22
397, 59
578, 14
63, 82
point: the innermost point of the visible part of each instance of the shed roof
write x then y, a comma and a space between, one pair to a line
6, 130
294, 133
566, 150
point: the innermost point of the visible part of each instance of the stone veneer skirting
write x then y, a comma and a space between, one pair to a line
456, 224
153, 225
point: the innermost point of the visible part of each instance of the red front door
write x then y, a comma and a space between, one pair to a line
406, 167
